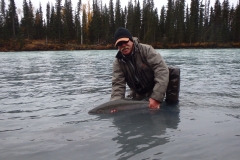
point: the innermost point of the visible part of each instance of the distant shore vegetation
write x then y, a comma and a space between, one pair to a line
92, 25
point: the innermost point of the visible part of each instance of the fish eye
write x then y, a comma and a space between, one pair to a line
100, 111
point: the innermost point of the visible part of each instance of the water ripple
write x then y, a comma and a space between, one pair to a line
10, 130
45, 98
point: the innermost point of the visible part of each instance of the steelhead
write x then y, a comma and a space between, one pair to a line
119, 105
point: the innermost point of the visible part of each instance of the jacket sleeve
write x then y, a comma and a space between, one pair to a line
161, 73
118, 82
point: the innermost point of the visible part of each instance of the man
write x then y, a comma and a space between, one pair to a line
141, 67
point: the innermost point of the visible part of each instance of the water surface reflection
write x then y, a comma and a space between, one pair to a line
45, 98
139, 127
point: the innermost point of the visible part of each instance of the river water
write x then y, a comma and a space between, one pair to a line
45, 98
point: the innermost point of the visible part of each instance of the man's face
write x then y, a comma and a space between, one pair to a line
125, 47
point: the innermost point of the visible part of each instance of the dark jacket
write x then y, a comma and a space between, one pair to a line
144, 71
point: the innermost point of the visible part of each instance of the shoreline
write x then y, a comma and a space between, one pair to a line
40, 45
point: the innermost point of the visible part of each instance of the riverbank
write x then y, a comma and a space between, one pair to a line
41, 45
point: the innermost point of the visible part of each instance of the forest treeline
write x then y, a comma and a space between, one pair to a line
94, 23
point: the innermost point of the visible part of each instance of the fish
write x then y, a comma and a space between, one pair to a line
119, 105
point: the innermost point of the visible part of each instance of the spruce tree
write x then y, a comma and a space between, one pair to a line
58, 23
39, 23
2, 19
200, 23
169, 24
67, 18
225, 21
211, 26
118, 17
136, 19
206, 27
53, 28
194, 17
187, 37
106, 25
130, 18
84, 25
111, 19
162, 25
30, 21
179, 12
12, 24
78, 22
144, 23
218, 22
95, 33
2, 9
47, 29
236, 25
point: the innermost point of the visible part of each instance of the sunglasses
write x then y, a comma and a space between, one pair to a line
122, 42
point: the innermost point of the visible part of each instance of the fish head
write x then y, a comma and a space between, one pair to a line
102, 111
97, 111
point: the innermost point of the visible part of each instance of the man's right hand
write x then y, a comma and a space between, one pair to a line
154, 104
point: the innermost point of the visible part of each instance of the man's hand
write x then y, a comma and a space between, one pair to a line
154, 104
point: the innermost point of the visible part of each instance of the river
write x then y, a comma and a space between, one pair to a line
45, 98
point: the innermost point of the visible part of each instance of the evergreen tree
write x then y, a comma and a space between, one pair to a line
53, 28
197, 23
30, 20
58, 19
231, 23
187, 27
217, 22
67, 18
2, 9
225, 21
27, 22
148, 23
2, 12
169, 24
12, 19
144, 20
84, 25
2, 19
200, 23
162, 25
39, 23
123, 17
130, 18
206, 28
106, 25
47, 22
194, 18
94, 29
211, 26
77, 28
118, 16
236, 25
155, 26
136, 19
78, 22
179, 11
111, 19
